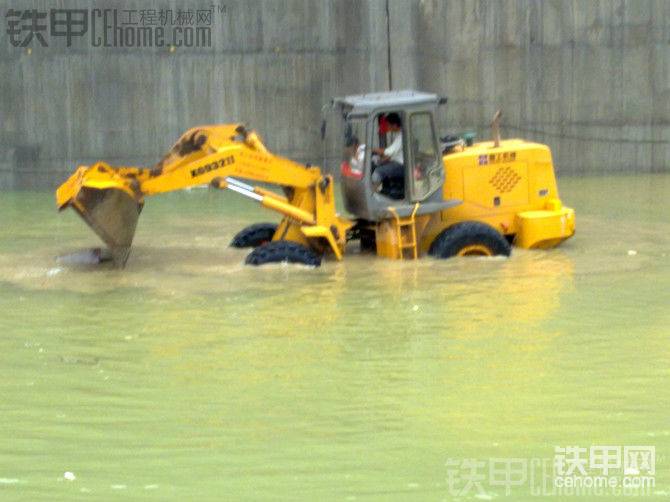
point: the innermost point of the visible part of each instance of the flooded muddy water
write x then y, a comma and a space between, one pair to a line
190, 376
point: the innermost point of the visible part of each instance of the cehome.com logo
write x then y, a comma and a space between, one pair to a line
112, 27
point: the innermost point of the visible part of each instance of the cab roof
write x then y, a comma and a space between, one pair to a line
373, 101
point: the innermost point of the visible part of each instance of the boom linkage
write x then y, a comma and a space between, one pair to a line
110, 198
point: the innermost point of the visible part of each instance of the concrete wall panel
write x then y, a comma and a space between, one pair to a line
590, 78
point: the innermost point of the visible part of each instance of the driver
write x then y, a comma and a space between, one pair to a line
391, 167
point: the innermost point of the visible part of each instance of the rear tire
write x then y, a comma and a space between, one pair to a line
283, 251
470, 238
254, 235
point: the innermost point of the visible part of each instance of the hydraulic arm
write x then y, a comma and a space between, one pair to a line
110, 199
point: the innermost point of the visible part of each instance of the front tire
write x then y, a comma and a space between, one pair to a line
470, 238
283, 251
254, 235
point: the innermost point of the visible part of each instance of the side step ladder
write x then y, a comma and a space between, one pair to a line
406, 233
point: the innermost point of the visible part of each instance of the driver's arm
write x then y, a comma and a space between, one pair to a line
379, 151
393, 149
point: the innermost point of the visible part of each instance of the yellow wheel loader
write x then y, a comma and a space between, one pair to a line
410, 192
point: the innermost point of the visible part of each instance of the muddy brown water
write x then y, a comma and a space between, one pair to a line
191, 376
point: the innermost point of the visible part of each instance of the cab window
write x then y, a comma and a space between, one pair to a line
354, 151
426, 168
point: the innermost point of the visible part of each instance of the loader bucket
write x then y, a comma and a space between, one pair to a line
112, 214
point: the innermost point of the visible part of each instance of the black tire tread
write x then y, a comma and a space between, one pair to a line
451, 240
254, 235
283, 251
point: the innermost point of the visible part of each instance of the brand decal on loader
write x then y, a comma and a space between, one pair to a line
199, 171
495, 158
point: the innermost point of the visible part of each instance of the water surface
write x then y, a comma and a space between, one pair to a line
190, 376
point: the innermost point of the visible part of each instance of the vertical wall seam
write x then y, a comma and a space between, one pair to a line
388, 46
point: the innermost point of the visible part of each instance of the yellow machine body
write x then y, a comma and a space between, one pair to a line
511, 188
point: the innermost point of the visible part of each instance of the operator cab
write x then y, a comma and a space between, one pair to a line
375, 175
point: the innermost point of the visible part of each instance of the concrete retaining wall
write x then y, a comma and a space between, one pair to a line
590, 78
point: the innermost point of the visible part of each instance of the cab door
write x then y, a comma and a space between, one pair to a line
425, 169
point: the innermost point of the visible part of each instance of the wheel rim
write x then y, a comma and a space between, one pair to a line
475, 250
